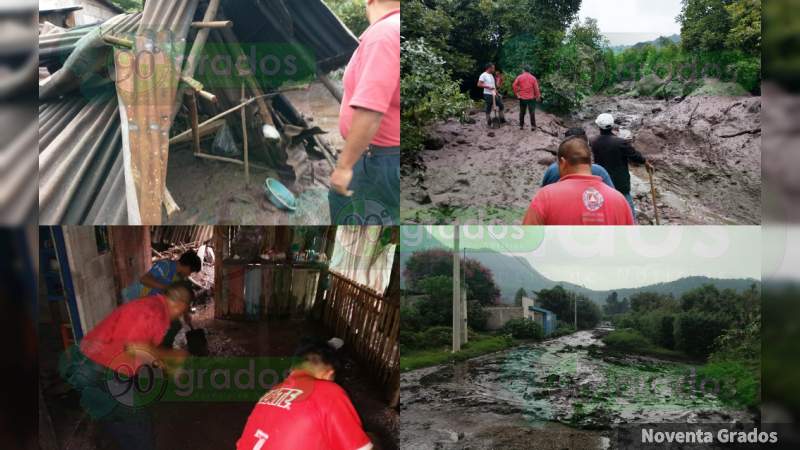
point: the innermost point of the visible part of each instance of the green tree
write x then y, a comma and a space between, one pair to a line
429, 263
745, 33
562, 303
705, 25
352, 13
518, 296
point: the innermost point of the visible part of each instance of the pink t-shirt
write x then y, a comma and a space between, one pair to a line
372, 80
581, 200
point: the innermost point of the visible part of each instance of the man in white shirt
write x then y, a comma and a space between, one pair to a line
487, 82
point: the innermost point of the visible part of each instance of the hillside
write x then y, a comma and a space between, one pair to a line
511, 273
658, 43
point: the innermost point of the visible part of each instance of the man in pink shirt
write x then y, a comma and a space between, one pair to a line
365, 186
579, 198
526, 88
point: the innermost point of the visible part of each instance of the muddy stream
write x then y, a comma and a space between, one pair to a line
706, 150
567, 392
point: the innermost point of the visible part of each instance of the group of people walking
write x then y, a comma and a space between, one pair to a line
590, 183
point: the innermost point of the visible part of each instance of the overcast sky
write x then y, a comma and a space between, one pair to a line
603, 258
627, 22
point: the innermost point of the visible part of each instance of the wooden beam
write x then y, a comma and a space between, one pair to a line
195, 123
244, 135
118, 42
213, 24
169, 203
335, 91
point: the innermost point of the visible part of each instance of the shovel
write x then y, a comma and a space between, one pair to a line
653, 193
496, 119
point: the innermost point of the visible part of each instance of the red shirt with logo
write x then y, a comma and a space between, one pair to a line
579, 200
526, 87
144, 320
304, 413
372, 80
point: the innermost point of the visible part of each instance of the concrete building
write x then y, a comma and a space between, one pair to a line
499, 315
75, 13
545, 318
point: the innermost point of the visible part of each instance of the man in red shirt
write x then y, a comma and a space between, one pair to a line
307, 411
105, 370
579, 198
365, 185
526, 88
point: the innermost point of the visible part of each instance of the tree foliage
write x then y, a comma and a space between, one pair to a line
429, 263
562, 303
518, 296
352, 13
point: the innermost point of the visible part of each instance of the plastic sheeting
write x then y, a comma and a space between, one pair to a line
358, 255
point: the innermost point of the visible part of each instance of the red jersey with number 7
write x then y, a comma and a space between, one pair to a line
304, 413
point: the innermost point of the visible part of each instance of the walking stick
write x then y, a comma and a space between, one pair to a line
653, 193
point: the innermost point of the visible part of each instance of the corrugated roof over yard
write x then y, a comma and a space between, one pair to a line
81, 164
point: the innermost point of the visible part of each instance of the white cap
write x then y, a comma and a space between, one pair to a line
605, 121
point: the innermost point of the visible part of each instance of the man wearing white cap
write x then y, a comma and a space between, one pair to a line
613, 154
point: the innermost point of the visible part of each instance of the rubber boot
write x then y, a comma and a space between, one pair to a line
502, 117
489, 120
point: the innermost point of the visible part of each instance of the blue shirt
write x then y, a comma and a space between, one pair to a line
164, 271
552, 175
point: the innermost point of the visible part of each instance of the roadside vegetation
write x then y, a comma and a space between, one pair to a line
717, 328
426, 323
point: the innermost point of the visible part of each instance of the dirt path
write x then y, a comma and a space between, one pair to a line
707, 151
562, 393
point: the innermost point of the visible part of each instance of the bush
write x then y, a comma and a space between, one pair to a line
428, 93
738, 384
748, 74
562, 330
432, 338
521, 328
627, 339
695, 332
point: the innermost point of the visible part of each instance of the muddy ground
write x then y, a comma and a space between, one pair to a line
707, 153
213, 192
562, 393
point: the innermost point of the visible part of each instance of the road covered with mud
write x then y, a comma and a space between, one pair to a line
567, 392
706, 149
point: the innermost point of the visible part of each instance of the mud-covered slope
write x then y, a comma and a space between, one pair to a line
707, 152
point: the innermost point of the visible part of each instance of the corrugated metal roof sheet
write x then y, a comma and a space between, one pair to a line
79, 161
55, 48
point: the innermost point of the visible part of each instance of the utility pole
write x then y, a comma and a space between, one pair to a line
576, 311
464, 327
457, 315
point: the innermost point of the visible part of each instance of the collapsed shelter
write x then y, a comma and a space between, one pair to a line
116, 98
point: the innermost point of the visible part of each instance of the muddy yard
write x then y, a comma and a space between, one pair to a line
706, 150
562, 393
213, 192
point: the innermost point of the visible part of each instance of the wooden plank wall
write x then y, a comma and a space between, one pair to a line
370, 324
174, 235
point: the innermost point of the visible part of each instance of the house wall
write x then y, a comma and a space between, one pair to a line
93, 11
499, 315
131, 252
92, 276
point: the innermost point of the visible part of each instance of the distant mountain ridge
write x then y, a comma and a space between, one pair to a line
659, 42
511, 273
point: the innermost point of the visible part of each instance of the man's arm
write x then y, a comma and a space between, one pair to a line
365, 125
515, 87
532, 217
537, 94
152, 282
168, 359
632, 154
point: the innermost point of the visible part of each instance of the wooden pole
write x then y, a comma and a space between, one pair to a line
195, 122
244, 134
653, 193
213, 24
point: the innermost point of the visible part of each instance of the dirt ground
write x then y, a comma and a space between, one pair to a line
213, 192
566, 392
707, 153
216, 425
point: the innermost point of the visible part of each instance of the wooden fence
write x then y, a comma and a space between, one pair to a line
370, 324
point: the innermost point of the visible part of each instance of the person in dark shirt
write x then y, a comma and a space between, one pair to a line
613, 154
